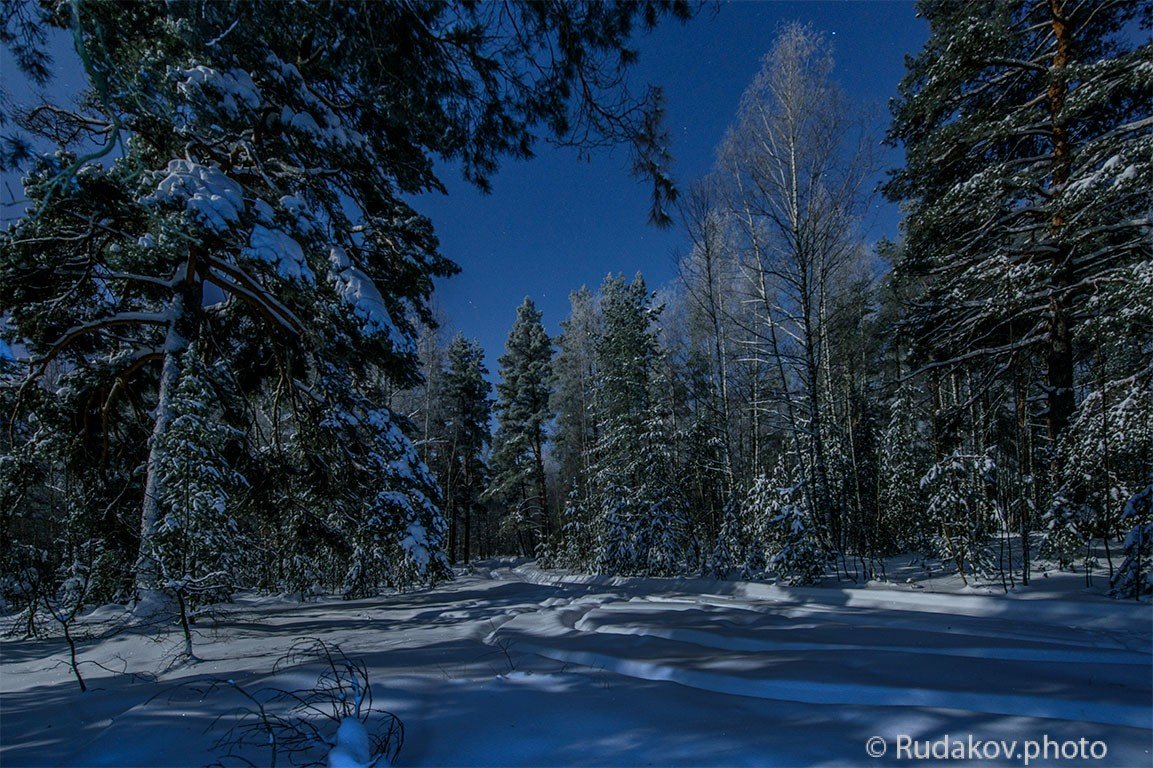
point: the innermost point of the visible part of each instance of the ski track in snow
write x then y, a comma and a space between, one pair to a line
525, 667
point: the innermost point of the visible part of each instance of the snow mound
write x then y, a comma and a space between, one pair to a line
352, 749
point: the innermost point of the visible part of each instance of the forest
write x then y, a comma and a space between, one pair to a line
222, 371
797, 403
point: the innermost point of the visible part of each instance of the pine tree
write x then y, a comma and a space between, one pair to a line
247, 190
1027, 134
522, 408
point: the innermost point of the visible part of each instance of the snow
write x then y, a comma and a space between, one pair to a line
300, 212
300, 121
212, 198
281, 251
317, 121
519, 666
415, 545
358, 290
233, 90
352, 749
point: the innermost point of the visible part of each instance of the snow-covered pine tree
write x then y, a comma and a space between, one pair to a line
1028, 138
522, 408
239, 176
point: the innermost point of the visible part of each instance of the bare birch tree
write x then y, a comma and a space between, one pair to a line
794, 165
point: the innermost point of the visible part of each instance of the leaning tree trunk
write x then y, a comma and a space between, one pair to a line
183, 328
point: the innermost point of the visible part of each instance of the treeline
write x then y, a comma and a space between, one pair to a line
213, 306
800, 404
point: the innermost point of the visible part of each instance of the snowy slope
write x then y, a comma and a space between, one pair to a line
524, 667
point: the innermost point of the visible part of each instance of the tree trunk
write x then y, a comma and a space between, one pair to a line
1024, 465
542, 491
183, 328
468, 534
1059, 363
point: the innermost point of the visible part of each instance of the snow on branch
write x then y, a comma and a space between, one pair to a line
358, 290
208, 194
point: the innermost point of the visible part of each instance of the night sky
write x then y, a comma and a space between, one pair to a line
555, 223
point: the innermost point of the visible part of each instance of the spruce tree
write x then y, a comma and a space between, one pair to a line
959, 511
902, 466
785, 538
522, 408
199, 543
1134, 579
464, 473
574, 394
634, 493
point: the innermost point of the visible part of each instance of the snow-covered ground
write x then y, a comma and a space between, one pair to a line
516, 666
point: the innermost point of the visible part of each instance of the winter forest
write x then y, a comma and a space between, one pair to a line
229, 396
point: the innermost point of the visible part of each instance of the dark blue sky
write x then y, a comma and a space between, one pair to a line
555, 223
